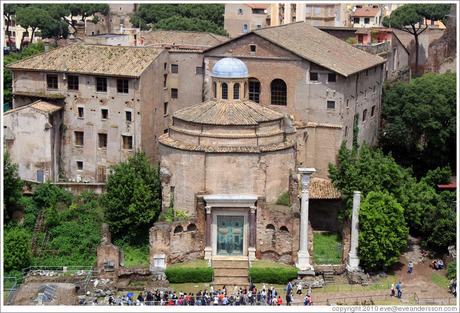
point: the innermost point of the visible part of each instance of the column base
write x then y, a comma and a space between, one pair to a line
303, 262
353, 263
251, 254
208, 254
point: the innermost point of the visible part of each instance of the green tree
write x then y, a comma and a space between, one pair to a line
34, 17
409, 18
382, 231
17, 249
366, 170
190, 24
132, 200
440, 175
9, 12
12, 187
419, 122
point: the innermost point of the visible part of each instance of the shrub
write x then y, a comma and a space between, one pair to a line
452, 270
283, 199
352, 40
17, 249
189, 274
272, 275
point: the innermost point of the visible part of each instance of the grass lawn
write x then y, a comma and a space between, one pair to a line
136, 256
192, 264
440, 280
327, 248
268, 264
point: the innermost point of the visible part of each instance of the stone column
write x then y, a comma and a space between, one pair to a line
303, 257
353, 259
252, 234
208, 231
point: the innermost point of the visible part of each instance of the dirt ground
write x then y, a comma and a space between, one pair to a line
27, 293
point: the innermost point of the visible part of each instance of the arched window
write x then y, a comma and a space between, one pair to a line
178, 229
236, 91
278, 92
270, 227
224, 91
254, 89
284, 228
215, 89
191, 227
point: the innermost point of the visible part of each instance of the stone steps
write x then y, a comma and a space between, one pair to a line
230, 271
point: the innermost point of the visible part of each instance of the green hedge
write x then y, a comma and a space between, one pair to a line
189, 274
272, 275
452, 270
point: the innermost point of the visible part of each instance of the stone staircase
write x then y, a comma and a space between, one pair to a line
38, 228
328, 276
230, 271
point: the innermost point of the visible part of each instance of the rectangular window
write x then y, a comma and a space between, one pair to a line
331, 104
245, 28
165, 108
165, 131
373, 111
101, 174
101, 84
129, 116
364, 115
348, 103
356, 20
165, 80
104, 114
199, 70
253, 48
102, 140
313, 76
174, 68
165, 66
79, 138
127, 142
80, 165
366, 20
72, 82
174, 93
52, 81
331, 77
81, 112
122, 86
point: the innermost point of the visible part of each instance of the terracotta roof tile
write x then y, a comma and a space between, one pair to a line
39, 105
228, 112
366, 12
319, 47
183, 38
92, 59
321, 188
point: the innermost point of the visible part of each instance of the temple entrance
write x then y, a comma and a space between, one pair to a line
230, 235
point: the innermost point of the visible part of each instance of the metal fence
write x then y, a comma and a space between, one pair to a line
435, 301
10, 285
369, 300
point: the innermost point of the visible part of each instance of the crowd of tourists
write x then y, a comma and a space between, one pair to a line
226, 296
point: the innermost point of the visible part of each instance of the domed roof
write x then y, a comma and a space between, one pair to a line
218, 112
230, 68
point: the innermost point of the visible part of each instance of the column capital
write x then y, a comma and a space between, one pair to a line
208, 209
253, 209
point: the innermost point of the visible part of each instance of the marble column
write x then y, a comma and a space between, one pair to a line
303, 257
252, 233
208, 231
353, 259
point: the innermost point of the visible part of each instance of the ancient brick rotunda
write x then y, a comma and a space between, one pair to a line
225, 162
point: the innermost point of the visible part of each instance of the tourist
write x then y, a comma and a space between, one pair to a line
288, 298
410, 267
279, 301
392, 290
289, 287
439, 264
399, 289
140, 298
299, 288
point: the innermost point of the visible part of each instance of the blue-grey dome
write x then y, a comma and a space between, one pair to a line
230, 68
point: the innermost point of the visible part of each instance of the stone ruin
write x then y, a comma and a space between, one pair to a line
109, 256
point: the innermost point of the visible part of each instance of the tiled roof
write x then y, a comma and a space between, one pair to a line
321, 188
39, 105
187, 38
166, 140
366, 12
228, 112
258, 5
92, 59
319, 47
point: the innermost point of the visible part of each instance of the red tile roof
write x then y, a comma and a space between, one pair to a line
258, 5
366, 12
451, 185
